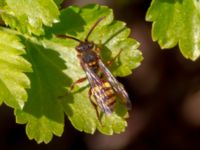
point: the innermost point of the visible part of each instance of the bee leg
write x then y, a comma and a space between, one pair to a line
98, 47
72, 86
98, 50
95, 106
98, 115
109, 63
77, 82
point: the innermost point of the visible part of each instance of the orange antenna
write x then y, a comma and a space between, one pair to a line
93, 27
69, 37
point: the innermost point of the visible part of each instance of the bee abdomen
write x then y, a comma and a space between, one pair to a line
105, 94
111, 101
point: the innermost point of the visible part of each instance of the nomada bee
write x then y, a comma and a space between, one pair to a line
104, 87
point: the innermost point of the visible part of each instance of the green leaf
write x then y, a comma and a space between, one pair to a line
43, 112
176, 22
13, 81
30, 16
58, 2
55, 66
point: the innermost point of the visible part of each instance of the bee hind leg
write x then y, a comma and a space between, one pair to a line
95, 106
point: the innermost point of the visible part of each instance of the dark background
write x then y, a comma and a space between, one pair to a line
165, 92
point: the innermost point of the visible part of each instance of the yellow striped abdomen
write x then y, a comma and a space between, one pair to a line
104, 95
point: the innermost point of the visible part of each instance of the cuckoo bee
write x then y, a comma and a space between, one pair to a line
104, 87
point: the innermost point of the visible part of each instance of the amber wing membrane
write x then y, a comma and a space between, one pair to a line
117, 86
97, 83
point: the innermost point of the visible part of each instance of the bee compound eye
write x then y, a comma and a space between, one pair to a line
80, 48
90, 45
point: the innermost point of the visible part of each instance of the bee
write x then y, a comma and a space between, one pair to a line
104, 87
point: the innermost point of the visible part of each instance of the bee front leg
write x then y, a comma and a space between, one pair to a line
77, 82
110, 62
97, 47
73, 84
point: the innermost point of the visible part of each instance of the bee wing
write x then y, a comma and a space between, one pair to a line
95, 81
117, 86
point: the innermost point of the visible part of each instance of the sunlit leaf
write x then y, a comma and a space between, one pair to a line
13, 81
29, 16
176, 22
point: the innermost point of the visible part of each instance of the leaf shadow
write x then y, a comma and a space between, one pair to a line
106, 52
69, 94
81, 89
120, 109
48, 82
70, 23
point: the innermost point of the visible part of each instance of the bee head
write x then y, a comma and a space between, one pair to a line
84, 46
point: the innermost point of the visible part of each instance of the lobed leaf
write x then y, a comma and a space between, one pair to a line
43, 112
29, 16
13, 66
176, 22
55, 66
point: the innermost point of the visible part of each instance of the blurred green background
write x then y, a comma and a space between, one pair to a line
165, 92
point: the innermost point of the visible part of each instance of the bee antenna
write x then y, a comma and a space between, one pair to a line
93, 27
69, 37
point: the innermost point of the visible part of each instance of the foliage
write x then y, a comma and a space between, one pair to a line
176, 22
37, 68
